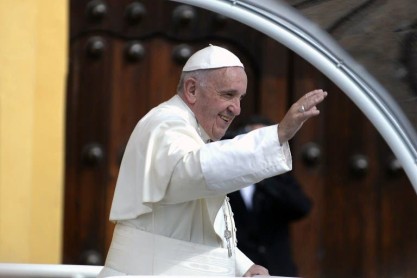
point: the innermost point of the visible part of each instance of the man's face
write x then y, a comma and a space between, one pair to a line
218, 100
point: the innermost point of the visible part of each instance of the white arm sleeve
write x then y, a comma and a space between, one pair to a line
243, 263
232, 164
226, 166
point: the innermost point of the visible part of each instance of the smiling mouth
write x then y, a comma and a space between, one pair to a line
225, 118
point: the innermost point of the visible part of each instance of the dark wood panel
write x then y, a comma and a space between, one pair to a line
397, 211
307, 233
86, 151
359, 226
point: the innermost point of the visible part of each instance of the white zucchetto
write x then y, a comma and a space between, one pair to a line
212, 57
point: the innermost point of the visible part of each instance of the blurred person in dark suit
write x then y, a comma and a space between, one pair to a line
263, 213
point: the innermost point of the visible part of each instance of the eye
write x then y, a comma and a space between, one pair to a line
228, 95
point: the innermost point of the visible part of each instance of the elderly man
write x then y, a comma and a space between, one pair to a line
170, 207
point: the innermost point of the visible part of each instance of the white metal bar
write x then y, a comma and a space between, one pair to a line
10, 270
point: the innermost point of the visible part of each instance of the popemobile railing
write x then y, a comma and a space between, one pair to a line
11, 270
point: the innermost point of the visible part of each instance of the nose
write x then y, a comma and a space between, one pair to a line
234, 107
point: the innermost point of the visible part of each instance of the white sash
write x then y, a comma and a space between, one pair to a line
135, 252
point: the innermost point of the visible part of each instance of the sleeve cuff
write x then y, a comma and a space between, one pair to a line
243, 263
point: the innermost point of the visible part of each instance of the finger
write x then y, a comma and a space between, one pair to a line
314, 92
316, 98
302, 108
311, 99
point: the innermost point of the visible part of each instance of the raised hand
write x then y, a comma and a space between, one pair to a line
299, 112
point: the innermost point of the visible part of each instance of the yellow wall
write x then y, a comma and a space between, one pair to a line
33, 64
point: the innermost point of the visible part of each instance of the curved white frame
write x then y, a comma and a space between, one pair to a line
286, 25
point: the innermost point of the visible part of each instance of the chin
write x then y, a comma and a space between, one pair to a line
217, 138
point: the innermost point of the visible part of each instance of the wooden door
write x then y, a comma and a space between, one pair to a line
126, 57
362, 222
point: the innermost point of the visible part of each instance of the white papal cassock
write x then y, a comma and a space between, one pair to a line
169, 204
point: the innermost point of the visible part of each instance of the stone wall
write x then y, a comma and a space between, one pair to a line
381, 35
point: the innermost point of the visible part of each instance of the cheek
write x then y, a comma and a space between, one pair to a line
209, 108
205, 114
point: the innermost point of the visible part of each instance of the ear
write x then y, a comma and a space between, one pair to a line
190, 87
